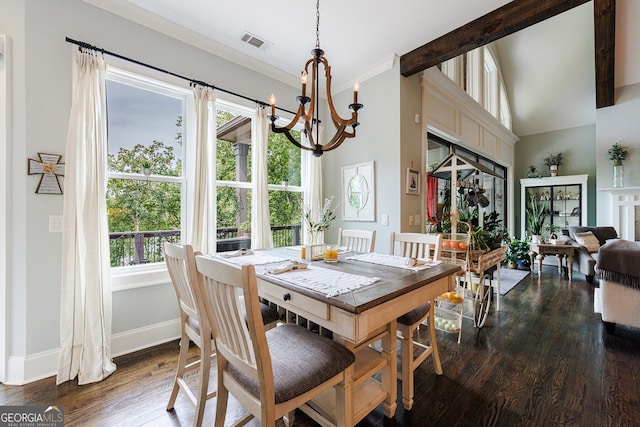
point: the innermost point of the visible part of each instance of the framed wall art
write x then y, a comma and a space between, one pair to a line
412, 181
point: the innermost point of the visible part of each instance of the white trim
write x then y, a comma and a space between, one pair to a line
440, 86
624, 201
139, 276
5, 195
26, 369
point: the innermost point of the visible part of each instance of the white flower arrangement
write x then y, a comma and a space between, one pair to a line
325, 218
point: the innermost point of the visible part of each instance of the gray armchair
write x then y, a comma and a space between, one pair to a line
584, 260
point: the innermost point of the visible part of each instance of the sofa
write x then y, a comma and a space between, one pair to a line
586, 256
618, 271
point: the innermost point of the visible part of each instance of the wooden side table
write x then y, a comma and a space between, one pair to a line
539, 250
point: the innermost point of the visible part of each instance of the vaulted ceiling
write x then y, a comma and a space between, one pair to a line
362, 37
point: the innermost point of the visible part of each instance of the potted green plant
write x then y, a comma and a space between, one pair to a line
553, 161
617, 153
517, 253
553, 233
535, 210
511, 257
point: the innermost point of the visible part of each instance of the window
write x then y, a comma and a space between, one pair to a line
453, 69
148, 191
146, 185
233, 144
490, 84
474, 62
438, 149
482, 81
505, 109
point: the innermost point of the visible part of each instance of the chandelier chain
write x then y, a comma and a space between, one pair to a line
317, 24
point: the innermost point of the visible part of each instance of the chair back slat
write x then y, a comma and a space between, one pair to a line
183, 276
357, 240
237, 323
417, 245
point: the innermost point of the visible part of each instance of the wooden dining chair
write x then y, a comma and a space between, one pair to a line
273, 372
357, 240
416, 245
194, 325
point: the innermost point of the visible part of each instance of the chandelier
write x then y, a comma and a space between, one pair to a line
345, 128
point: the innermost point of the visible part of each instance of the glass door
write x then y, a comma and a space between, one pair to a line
566, 206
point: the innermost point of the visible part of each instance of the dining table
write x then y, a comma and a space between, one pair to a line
357, 301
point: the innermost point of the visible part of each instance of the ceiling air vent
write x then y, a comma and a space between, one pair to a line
255, 41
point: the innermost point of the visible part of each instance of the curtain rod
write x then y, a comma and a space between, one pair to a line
153, 67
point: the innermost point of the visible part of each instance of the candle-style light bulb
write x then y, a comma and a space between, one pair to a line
303, 78
356, 87
272, 100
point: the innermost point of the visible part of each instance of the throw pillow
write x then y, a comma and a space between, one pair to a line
588, 240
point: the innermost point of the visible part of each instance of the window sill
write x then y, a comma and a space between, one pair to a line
124, 278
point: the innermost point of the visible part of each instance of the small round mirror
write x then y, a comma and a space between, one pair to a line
358, 192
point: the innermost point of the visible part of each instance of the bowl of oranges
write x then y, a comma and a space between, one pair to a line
454, 243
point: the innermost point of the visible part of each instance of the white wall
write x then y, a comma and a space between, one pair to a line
578, 148
618, 123
378, 139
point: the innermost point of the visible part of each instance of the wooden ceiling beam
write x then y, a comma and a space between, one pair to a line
604, 20
515, 16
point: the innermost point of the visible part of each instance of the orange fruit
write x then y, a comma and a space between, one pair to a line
462, 245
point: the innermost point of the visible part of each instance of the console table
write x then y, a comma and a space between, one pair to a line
539, 250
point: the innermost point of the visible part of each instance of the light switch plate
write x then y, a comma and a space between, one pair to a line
55, 223
385, 219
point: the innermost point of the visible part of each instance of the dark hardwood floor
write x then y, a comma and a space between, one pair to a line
543, 360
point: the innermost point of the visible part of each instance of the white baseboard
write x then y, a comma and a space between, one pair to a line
26, 369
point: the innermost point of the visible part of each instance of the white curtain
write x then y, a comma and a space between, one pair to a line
203, 226
312, 184
261, 236
85, 311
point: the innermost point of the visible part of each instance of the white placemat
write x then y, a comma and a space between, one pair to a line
324, 280
255, 258
394, 261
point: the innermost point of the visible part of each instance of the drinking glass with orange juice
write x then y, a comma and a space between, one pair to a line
331, 253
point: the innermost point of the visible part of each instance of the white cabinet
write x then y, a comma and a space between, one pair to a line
564, 199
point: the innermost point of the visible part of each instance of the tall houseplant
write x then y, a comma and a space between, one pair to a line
535, 210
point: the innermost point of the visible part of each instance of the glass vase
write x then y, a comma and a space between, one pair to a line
618, 175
